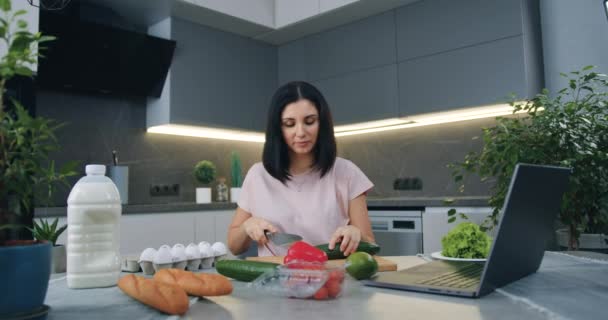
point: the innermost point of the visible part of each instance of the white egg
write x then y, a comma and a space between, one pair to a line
205, 250
147, 255
163, 255
178, 252
219, 249
192, 252
203, 244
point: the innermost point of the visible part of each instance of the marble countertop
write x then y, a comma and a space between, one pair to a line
469, 201
565, 287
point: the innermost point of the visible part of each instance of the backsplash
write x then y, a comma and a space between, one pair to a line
96, 125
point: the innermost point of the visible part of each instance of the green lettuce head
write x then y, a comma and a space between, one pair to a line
466, 241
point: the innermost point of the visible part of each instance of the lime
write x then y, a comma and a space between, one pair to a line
361, 265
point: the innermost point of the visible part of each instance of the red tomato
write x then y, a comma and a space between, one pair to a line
322, 294
337, 275
333, 288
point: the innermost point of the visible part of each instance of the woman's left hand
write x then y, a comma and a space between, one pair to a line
350, 235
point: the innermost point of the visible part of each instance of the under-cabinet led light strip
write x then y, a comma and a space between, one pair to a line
346, 130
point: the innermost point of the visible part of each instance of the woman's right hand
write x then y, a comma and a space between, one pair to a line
255, 227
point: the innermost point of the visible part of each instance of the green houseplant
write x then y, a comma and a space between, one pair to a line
567, 129
237, 176
44, 231
25, 173
204, 172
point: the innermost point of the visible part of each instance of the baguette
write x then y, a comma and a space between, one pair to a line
167, 298
196, 284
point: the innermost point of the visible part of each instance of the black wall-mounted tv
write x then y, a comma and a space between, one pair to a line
95, 58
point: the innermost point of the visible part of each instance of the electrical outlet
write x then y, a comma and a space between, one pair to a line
163, 190
407, 183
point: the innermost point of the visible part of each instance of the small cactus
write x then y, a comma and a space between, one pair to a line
235, 170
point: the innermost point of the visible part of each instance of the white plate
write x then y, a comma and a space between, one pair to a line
438, 255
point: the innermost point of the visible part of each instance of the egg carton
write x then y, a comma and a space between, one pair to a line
193, 257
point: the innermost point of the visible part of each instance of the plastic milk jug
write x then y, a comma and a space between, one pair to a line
94, 210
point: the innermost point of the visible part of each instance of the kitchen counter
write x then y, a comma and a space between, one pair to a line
147, 208
475, 201
565, 287
470, 201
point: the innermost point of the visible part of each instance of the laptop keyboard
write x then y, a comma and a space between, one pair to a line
463, 278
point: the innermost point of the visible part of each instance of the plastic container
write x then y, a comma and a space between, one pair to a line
303, 280
94, 210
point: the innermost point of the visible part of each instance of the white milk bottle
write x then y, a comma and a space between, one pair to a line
94, 209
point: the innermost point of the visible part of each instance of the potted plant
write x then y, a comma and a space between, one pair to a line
44, 231
237, 177
568, 129
204, 172
25, 143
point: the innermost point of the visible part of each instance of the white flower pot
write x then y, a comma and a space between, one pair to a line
203, 195
234, 194
587, 241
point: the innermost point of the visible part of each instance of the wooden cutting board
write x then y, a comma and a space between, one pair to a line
383, 264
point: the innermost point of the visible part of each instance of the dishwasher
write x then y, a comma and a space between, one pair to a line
398, 230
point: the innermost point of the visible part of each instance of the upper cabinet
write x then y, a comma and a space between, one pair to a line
217, 79
434, 26
428, 56
455, 54
353, 65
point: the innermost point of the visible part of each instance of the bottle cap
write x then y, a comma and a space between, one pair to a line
95, 169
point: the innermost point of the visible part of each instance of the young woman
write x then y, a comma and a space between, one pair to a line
301, 187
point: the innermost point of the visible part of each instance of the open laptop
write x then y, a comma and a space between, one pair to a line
531, 207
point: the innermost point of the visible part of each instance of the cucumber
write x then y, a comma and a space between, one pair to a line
370, 248
243, 270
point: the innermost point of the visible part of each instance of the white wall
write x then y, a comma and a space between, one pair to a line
31, 17
575, 34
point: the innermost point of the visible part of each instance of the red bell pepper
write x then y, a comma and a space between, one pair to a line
302, 251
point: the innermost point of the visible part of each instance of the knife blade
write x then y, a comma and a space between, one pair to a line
278, 242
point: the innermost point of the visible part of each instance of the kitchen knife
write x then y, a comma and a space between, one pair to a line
278, 243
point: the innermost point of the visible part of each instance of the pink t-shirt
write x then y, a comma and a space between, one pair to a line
308, 205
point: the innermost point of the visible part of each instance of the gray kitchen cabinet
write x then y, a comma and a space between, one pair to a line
434, 26
435, 224
472, 76
205, 227
362, 96
217, 79
471, 53
353, 47
140, 231
293, 61
222, 222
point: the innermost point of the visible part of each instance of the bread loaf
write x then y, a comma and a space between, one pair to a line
167, 298
196, 284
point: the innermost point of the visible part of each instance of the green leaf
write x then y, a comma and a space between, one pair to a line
22, 24
452, 219
24, 71
5, 5
588, 68
451, 212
